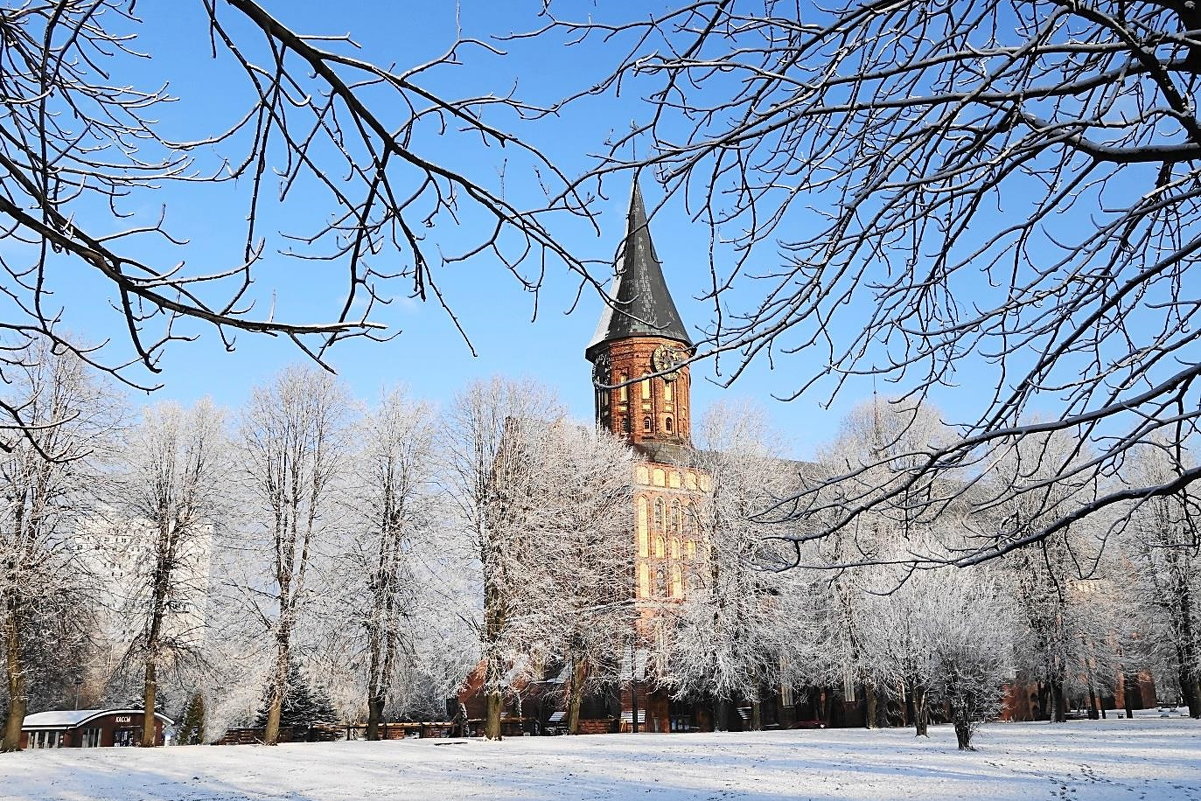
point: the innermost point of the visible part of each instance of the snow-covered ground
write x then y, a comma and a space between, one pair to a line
1148, 758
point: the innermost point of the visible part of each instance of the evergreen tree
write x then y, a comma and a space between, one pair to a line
191, 724
303, 706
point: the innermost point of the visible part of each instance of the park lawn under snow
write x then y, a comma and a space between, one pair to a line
1082, 760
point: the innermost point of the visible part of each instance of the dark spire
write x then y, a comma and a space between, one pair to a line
642, 304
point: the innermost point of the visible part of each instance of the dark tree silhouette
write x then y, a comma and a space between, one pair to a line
83, 152
897, 189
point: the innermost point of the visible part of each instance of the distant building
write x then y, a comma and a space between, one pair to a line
88, 728
118, 552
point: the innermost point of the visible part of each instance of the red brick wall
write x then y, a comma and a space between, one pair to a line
629, 359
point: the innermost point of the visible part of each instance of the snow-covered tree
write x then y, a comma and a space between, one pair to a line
49, 476
491, 470
741, 624
1163, 545
1067, 627
878, 448
581, 565
292, 446
392, 505
173, 467
970, 630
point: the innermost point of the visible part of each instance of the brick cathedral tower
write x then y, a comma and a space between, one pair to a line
641, 335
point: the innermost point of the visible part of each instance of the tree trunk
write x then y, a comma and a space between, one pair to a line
872, 704
160, 587
149, 693
279, 686
963, 715
1190, 689
1129, 688
575, 697
18, 699
826, 704
375, 714
921, 715
634, 706
756, 723
1190, 680
1058, 702
721, 715
963, 730
495, 705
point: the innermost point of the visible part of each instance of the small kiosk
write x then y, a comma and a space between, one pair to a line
88, 728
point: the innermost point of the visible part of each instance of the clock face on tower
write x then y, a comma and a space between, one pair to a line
666, 359
600, 370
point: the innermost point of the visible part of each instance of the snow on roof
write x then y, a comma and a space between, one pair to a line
68, 718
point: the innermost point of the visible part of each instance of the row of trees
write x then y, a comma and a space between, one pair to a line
867, 607
390, 546
391, 549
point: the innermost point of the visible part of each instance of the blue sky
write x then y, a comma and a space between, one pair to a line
427, 355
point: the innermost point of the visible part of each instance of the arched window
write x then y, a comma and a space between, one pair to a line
676, 516
659, 545
667, 424
644, 581
624, 391
660, 513
646, 424
674, 549
677, 582
660, 581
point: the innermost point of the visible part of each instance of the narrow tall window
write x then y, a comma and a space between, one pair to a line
660, 514
646, 388
667, 424
646, 424
643, 524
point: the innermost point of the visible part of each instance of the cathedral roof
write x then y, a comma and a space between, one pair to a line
642, 305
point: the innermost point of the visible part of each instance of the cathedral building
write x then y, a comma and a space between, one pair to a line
642, 381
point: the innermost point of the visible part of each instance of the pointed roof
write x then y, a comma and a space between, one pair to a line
642, 304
